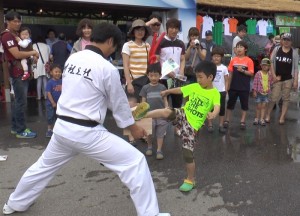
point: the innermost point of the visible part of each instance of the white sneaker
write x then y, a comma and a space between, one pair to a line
7, 210
164, 214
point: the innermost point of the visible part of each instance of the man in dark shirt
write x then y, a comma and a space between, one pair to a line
60, 51
13, 56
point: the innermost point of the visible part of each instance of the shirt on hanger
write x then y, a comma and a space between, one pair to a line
226, 27
251, 26
270, 27
233, 25
208, 23
199, 22
217, 33
262, 26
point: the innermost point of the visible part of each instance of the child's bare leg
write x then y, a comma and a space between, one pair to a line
228, 115
243, 118
209, 122
160, 142
159, 113
258, 110
263, 111
190, 168
221, 120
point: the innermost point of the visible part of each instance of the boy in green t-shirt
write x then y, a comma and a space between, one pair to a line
202, 98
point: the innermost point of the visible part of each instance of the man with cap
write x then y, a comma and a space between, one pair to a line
241, 33
284, 68
91, 86
210, 44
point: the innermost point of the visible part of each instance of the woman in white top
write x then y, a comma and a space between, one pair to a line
39, 72
135, 55
84, 31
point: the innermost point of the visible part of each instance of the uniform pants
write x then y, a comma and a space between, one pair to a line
110, 150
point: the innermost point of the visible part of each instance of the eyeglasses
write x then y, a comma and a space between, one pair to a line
157, 24
286, 39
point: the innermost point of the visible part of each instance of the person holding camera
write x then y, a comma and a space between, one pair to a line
195, 53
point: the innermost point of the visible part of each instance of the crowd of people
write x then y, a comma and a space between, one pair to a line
189, 95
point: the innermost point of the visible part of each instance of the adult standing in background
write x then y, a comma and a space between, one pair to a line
40, 72
84, 31
284, 68
13, 56
241, 33
154, 23
135, 56
60, 51
210, 44
51, 38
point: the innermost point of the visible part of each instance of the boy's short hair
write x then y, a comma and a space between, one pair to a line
55, 66
24, 28
241, 28
154, 68
11, 15
217, 51
173, 23
243, 44
206, 67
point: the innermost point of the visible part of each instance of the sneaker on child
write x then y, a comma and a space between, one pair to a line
27, 133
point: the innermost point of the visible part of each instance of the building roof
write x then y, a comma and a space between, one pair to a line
271, 5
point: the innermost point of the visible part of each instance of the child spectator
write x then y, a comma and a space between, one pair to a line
241, 69
221, 83
150, 93
25, 43
53, 90
261, 88
202, 98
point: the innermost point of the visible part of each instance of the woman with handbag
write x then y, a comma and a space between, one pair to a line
135, 58
40, 73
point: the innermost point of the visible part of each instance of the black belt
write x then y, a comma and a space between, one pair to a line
82, 122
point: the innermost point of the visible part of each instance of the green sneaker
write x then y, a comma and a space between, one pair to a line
140, 111
187, 185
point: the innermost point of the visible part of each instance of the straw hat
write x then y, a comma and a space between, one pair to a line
139, 23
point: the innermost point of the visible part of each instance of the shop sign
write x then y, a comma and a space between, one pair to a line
284, 20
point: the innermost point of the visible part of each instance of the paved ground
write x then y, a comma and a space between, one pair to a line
253, 172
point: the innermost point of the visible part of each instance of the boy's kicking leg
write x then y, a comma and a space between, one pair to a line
159, 113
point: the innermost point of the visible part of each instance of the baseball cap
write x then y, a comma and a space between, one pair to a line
265, 61
208, 33
286, 36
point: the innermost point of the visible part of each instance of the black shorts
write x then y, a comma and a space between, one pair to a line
234, 95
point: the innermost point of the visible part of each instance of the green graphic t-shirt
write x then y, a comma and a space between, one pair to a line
201, 101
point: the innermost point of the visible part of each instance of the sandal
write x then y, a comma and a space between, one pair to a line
255, 122
226, 124
187, 185
242, 125
210, 129
262, 122
149, 151
159, 155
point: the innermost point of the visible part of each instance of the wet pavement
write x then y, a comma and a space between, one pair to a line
253, 172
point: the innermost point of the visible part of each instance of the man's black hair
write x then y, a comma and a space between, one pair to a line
157, 16
11, 15
173, 23
154, 68
218, 51
241, 28
104, 31
206, 67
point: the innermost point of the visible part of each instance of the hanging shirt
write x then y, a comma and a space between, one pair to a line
199, 22
208, 23
233, 25
251, 26
217, 33
262, 26
226, 27
270, 27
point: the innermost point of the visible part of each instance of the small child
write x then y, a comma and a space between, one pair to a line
261, 89
221, 83
150, 93
26, 45
241, 69
202, 98
53, 90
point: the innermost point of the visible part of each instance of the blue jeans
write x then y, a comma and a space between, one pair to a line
18, 106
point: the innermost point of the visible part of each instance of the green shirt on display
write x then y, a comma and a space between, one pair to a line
200, 102
251, 26
218, 33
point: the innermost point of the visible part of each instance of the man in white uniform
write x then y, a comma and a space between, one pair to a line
91, 84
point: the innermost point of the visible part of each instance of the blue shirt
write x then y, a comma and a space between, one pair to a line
54, 87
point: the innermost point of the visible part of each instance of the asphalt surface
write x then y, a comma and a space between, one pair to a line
252, 173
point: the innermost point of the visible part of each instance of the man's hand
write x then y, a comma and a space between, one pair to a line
137, 132
171, 75
130, 88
